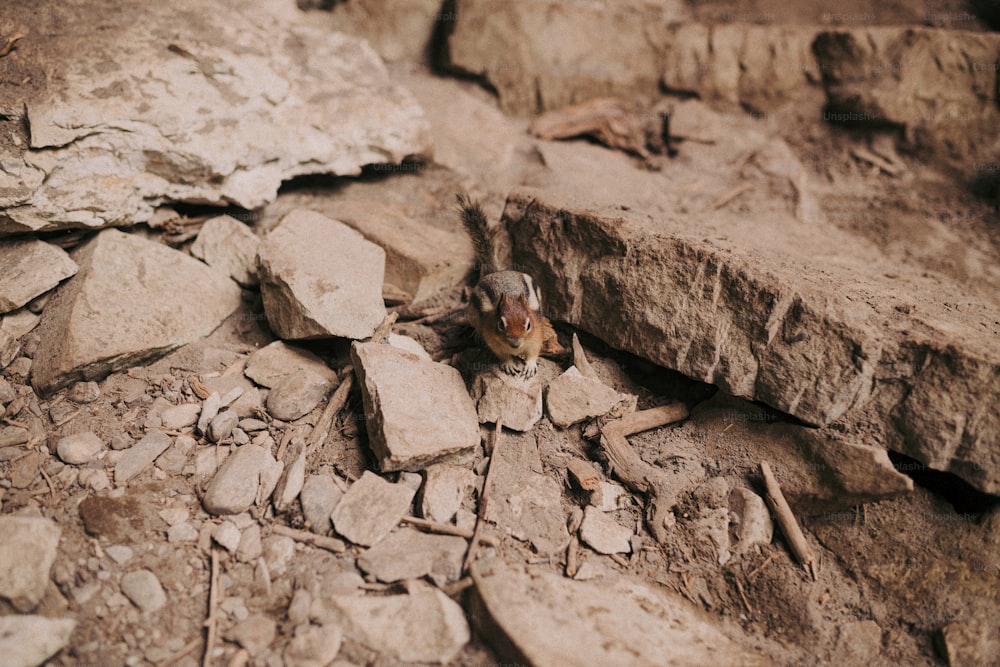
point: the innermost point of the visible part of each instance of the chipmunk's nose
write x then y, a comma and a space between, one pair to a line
515, 343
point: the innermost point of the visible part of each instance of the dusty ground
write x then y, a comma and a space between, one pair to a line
909, 565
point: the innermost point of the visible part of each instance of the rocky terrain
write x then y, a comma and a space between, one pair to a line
243, 420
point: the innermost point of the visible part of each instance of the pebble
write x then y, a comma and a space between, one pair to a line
119, 553
370, 509
313, 646
6, 391
278, 552
27, 552
298, 608
182, 532
144, 590
251, 425
95, 480
444, 489
234, 487
255, 633
84, 392
222, 425
603, 533
240, 437
140, 456
26, 641
297, 395
209, 409
320, 494
250, 547
79, 448
120, 441
174, 515
180, 416
227, 535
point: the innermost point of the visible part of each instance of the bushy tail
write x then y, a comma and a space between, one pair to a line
483, 238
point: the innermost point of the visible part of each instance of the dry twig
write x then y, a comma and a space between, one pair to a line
213, 603
437, 527
9, 44
312, 539
786, 520
190, 646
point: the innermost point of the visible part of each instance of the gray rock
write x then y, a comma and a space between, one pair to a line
31, 267
209, 409
7, 393
320, 494
222, 425
320, 278
571, 398
532, 507
417, 412
79, 448
227, 535
95, 480
13, 327
250, 547
106, 150
272, 364
13, 435
313, 646
757, 333
251, 425
254, 633
412, 554
230, 246
179, 416
297, 395
235, 486
140, 456
444, 488
28, 641
408, 344
370, 509
549, 620
424, 626
293, 477
119, 553
133, 300
182, 532
84, 392
27, 551
603, 533
749, 520
278, 551
515, 400
143, 588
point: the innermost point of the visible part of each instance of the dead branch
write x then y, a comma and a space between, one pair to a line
213, 603
312, 539
644, 420
611, 121
583, 474
786, 520
438, 527
337, 401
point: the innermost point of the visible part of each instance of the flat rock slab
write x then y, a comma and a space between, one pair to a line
28, 641
107, 145
132, 301
411, 554
140, 456
444, 488
274, 362
417, 412
424, 626
514, 400
370, 509
603, 533
320, 278
13, 327
773, 310
228, 245
30, 267
236, 485
546, 620
27, 552
572, 398
525, 503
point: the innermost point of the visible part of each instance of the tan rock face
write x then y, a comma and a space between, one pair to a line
792, 319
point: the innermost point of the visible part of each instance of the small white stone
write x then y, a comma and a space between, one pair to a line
227, 535
119, 553
182, 532
79, 448
180, 416
144, 590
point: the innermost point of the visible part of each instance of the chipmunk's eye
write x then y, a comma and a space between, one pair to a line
502, 324
527, 325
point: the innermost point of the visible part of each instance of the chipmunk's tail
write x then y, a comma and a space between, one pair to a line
478, 228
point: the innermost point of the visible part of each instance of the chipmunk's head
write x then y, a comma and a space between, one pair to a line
513, 320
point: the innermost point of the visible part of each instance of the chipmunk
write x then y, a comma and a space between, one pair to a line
505, 307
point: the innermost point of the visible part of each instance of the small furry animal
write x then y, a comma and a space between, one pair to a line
505, 307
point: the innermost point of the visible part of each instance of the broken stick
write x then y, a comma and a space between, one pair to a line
438, 527
644, 420
786, 520
312, 539
213, 604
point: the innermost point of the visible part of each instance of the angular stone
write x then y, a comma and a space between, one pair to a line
132, 301
370, 509
424, 626
228, 245
227, 535
140, 456
180, 416
313, 646
27, 551
320, 278
235, 486
411, 554
544, 619
273, 363
528, 504
250, 547
222, 425
409, 345
320, 494
30, 267
84, 392
28, 641
572, 398
777, 312
105, 147
444, 488
297, 395
515, 400
749, 520
538, 56
603, 533
143, 588
13, 327
254, 634
417, 412
79, 448
876, 75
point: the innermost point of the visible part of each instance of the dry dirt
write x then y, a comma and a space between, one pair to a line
911, 565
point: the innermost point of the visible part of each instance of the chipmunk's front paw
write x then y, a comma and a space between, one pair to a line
512, 367
529, 369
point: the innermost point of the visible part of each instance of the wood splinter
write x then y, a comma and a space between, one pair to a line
786, 521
